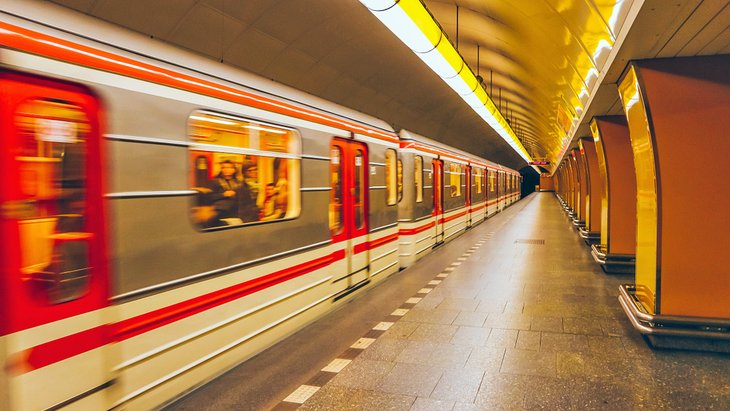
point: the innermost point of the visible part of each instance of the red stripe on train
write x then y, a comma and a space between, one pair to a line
453, 217
72, 345
412, 231
375, 243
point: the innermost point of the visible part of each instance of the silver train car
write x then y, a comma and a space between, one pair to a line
165, 217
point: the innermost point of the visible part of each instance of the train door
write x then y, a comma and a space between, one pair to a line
438, 199
468, 196
53, 266
349, 209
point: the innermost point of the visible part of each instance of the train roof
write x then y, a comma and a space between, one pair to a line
449, 151
74, 26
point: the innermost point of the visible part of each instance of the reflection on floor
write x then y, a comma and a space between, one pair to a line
513, 315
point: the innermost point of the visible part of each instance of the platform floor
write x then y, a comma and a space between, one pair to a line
514, 314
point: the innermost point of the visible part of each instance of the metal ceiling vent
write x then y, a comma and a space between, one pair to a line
529, 241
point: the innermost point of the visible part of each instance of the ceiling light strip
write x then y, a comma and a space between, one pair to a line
411, 22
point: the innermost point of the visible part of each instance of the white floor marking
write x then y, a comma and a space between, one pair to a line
301, 394
413, 300
400, 312
363, 343
336, 365
383, 326
424, 290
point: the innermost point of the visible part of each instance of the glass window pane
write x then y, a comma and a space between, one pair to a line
336, 216
244, 172
418, 178
456, 180
51, 158
390, 177
359, 195
399, 179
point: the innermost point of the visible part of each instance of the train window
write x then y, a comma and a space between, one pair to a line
244, 172
456, 179
418, 178
478, 173
54, 233
360, 190
336, 217
391, 177
491, 181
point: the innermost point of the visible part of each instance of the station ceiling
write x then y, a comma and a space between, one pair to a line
550, 65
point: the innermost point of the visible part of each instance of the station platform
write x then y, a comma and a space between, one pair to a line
514, 314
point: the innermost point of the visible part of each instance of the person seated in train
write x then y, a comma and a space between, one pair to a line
225, 192
248, 209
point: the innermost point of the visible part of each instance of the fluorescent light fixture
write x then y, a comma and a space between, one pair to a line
415, 27
270, 130
213, 120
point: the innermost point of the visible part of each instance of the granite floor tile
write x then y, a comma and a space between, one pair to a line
508, 321
486, 359
333, 397
458, 385
435, 354
434, 332
587, 326
607, 346
384, 349
553, 342
461, 304
401, 330
549, 324
502, 392
435, 316
363, 374
462, 406
471, 336
429, 404
529, 363
469, 318
502, 338
528, 340
410, 379
385, 401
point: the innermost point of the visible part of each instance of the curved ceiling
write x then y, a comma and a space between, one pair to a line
542, 61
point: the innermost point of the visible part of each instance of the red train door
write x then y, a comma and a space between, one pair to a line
53, 267
349, 209
438, 198
468, 189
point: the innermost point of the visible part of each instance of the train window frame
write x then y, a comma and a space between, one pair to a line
249, 158
391, 177
418, 175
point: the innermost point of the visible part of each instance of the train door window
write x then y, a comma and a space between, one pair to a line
478, 173
491, 181
455, 179
336, 217
243, 171
418, 178
360, 190
391, 177
54, 233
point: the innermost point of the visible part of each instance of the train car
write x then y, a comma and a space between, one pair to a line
161, 225
445, 192
164, 217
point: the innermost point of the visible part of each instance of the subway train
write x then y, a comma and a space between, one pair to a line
165, 217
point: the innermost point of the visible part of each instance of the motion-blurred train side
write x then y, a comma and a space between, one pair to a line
163, 219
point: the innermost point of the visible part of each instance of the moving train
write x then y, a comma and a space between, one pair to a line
164, 217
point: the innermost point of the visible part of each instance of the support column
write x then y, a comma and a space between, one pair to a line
591, 233
617, 249
679, 115
580, 209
